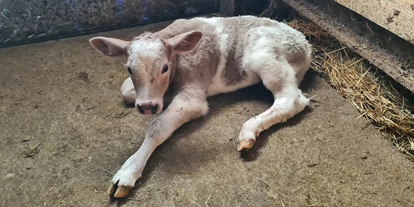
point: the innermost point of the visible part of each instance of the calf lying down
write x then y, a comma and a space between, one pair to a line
190, 60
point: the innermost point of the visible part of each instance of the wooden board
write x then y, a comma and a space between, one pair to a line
381, 47
397, 16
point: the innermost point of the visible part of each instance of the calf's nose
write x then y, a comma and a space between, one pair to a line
147, 108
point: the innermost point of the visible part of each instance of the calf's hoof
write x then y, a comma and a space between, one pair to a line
119, 191
245, 144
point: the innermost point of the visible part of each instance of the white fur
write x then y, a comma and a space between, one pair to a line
144, 49
277, 74
174, 116
218, 84
128, 91
267, 52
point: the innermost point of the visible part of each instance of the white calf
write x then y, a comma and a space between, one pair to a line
183, 64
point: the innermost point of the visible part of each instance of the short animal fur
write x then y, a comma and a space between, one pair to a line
178, 67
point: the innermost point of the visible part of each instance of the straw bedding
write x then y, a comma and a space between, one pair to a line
363, 85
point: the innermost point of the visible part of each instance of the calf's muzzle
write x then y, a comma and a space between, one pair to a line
147, 108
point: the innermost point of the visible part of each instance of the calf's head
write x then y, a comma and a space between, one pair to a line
149, 63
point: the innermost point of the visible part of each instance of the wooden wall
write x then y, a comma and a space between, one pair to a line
397, 16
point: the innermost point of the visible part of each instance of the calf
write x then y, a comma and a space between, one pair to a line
190, 60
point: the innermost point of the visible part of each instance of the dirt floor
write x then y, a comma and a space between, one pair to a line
65, 132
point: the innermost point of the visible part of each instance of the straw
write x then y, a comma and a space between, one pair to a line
362, 84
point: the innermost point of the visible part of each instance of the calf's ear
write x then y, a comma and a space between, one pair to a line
184, 42
109, 46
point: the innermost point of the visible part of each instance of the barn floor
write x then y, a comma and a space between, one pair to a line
65, 132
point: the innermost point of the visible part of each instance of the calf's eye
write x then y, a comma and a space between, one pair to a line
164, 69
129, 70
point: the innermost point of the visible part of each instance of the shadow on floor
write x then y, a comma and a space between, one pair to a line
222, 102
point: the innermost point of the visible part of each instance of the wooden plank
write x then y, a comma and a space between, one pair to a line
397, 16
348, 28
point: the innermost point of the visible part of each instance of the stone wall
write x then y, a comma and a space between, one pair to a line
24, 21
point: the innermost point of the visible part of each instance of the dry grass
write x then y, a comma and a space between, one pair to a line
362, 85
310, 29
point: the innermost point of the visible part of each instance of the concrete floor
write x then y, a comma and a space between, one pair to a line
63, 97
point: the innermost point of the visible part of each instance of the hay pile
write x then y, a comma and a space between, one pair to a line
362, 84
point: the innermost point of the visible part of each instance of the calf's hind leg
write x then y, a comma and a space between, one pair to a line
289, 101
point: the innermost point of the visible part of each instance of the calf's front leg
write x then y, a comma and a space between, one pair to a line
128, 91
183, 108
